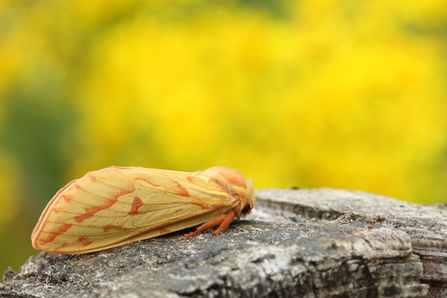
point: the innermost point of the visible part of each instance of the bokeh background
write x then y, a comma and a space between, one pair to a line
327, 93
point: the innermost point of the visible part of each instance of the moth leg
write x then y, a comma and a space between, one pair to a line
223, 220
225, 223
210, 224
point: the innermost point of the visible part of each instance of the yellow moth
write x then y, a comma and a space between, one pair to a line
117, 205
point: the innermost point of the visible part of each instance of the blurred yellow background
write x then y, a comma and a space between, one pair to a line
347, 94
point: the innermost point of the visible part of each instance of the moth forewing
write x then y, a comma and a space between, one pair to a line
117, 205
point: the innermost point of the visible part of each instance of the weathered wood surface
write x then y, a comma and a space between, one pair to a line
426, 225
297, 243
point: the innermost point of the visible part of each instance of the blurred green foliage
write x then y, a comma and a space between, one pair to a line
347, 94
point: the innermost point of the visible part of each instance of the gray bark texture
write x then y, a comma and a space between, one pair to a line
296, 243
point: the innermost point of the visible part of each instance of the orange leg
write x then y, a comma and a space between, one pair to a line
223, 220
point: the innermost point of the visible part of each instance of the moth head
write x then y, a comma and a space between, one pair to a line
246, 194
234, 183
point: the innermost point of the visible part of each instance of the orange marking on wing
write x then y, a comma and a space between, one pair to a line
62, 229
93, 178
77, 186
81, 218
90, 211
198, 203
49, 239
56, 210
147, 181
67, 198
65, 227
164, 231
203, 205
194, 179
57, 249
181, 190
95, 209
109, 227
84, 241
136, 204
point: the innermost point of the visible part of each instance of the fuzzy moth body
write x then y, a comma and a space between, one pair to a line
118, 205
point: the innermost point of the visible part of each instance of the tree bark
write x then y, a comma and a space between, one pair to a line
296, 243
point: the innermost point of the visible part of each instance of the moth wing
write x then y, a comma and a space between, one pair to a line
114, 206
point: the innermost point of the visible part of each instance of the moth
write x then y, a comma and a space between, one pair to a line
119, 205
